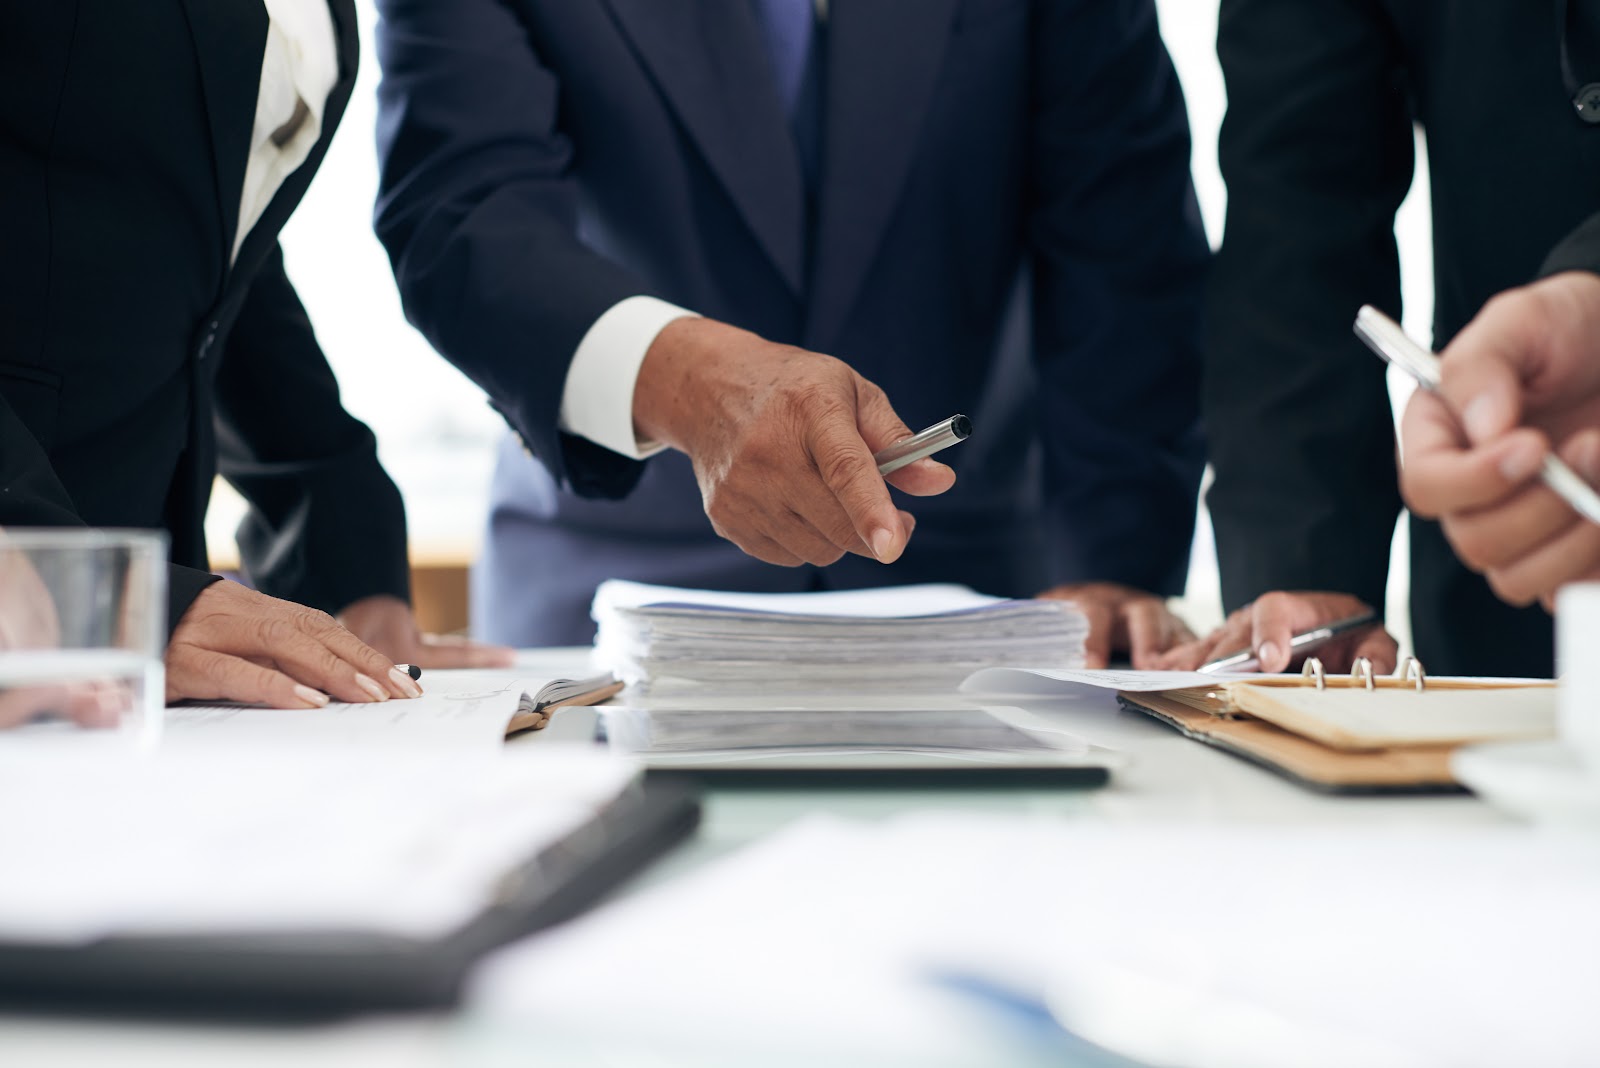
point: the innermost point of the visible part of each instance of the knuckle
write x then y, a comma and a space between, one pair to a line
313, 619
213, 670
274, 632
1510, 588
1274, 603
821, 554
1475, 549
819, 396
838, 464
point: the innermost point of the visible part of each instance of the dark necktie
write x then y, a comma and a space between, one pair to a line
794, 46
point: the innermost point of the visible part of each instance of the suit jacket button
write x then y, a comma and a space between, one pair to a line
208, 342
1588, 103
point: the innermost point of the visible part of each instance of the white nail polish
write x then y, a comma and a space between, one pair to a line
370, 685
310, 696
407, 684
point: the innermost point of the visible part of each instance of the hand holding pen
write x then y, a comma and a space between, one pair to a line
782, 442
1507, 451
1273, 632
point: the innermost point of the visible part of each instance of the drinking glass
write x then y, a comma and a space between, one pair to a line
83, 628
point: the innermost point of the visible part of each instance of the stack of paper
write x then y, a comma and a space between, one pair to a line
922, 639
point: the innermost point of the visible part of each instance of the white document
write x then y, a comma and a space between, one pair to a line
890, 602
228, 838
882, 944
1060, 682
457, 710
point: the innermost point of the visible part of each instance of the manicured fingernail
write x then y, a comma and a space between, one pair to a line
371, 686
407, 684
316, 698
1521, 462
883, 545
1267, 654
1482, 418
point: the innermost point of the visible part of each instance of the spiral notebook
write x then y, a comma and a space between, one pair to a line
1340, 733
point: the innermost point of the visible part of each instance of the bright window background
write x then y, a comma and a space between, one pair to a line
437, 435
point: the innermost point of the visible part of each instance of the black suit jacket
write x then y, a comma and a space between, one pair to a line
1318, 153
135, 362
1579, 252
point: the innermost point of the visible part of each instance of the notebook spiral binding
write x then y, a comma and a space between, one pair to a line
1361, 673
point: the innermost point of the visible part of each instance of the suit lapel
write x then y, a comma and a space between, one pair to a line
229, 40
707, 60
264, 235
884, 58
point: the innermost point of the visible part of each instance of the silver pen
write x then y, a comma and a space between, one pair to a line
910, 450
1304, 642
1384, 336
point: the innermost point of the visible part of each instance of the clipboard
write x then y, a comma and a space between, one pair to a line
1355, 734
330, 974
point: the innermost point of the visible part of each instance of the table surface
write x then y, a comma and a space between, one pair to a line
1168, 780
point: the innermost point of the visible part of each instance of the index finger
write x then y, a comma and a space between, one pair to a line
1440, 474
1272, 625
342, 643
1481, 371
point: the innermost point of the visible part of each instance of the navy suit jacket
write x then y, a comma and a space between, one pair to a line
1005, 226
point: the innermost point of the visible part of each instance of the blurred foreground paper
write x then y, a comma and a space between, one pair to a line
217, 838
851, 943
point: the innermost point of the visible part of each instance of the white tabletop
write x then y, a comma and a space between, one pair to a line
1168, 780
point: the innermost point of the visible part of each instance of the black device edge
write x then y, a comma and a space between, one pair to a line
317, 976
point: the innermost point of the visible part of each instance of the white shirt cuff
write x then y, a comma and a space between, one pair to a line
597, 402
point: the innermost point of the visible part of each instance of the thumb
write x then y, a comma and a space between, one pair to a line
1102, 623
1271, 627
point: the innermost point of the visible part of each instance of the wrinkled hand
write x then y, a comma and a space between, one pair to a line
386, 624
1524, 374
1267, 623
234, 644
782, 442
1123, 621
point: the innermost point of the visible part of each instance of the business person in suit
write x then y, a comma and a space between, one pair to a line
1525, 374
1317, 150
149, 155
693, 251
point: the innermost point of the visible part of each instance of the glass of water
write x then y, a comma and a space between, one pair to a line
83, 628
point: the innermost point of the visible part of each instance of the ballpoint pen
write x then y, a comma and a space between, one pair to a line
1384, 336
910, 450
1304, 642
